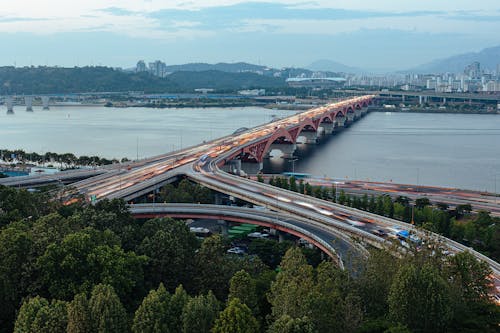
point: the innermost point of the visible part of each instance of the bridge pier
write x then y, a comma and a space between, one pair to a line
420, 100
311, 137
357, 113
328, 128
9, 102
223, 227
286, 148
28, 101
364, 110
340, 121
350, 117
45, 102
251, 168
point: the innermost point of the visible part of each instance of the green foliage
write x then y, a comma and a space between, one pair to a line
287, 324
199, 314
16, 205
52, 318
27, 314
79, 320
293, 285
38, 315
236, 318
213, 267
243, 287
106, 311
153, 315
185, 192
172, 251
86, 258
420, 298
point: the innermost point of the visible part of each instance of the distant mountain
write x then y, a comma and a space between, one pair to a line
222, 66
489, 59
333, 66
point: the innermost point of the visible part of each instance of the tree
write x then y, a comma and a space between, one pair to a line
293, 285
15, 257
152, 316
27, 314
388, 206
199, 314
79, 320
52, 318
177, 303
243, 287
86, 258
420, 298
260, 179
293, 184
236, 318
171, 250
213, 268
106, 311
372, 205
287, 324
38, 315
422, 202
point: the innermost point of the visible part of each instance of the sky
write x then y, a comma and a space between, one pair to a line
370, 34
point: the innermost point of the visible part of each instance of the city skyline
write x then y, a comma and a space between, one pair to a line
382, 36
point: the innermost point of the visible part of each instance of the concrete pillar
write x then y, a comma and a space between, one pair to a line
281, 236
364, 110
420, 100
233, 166
350, 117
311, 137
45, 102
403, 98
28, 101
251, 168
223, 227
340, 121
328, 128
286, 148
444, 100
9, 102
357, 114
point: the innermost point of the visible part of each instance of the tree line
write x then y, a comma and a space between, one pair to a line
68, 159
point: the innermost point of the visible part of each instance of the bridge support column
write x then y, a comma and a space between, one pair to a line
286, 148
340, 121
28, 100
233, 166
9, 102
223, 227
311, 137
444, 100
251, 168
357, 113
420, 100
45, 102
328, 128
350, 117
364, 110
281, 236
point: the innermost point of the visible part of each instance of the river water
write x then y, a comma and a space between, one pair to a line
433, 149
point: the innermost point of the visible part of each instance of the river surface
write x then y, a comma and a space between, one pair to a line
455, 150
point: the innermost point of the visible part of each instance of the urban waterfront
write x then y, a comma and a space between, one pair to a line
433, 149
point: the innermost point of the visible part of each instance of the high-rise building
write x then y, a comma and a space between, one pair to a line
473, 70
141, 66
158, 68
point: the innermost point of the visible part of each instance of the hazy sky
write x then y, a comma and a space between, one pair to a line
373, 34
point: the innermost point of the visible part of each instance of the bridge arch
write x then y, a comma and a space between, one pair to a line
281, 137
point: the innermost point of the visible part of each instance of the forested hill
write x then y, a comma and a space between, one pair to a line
47, 80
